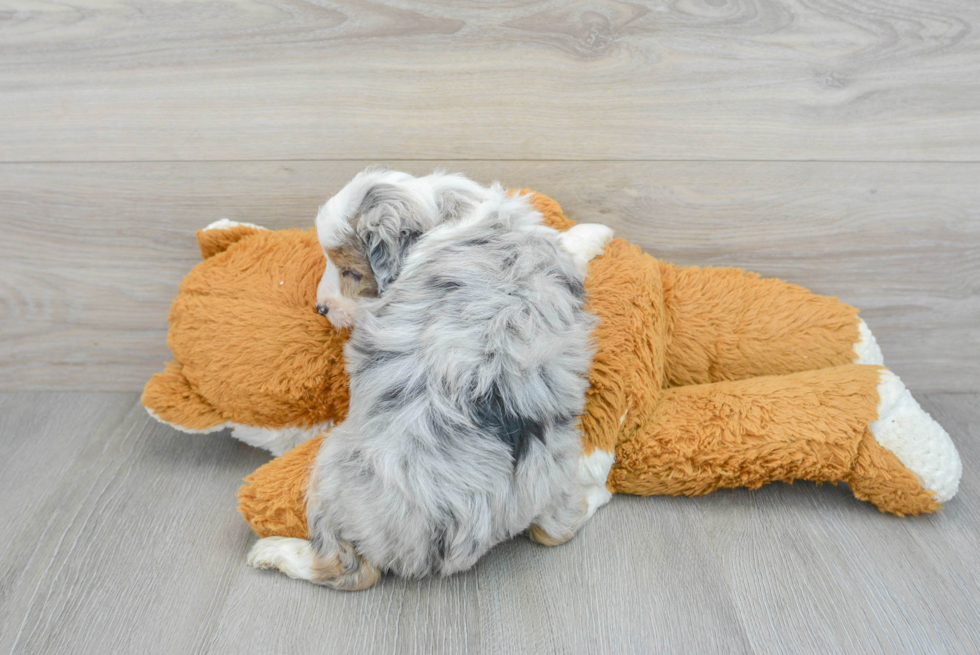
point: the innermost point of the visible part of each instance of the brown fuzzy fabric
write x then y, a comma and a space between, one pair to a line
704, 377
248, 344
730, 324
747, 433
273, 498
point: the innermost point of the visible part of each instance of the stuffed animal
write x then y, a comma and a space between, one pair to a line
704, 378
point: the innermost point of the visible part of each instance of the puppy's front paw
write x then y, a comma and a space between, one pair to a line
585, 241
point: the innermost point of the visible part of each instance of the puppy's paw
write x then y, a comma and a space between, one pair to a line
344, 570
585, 241
294, 557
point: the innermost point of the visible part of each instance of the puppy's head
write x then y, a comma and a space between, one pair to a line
367, 230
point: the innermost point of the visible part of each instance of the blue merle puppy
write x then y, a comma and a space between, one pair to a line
468, 358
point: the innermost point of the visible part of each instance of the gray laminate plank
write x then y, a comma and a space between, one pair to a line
92, 253
41, 436
397, 79
813, 570
133, 547
642, 577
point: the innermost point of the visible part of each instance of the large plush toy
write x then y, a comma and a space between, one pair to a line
704, 378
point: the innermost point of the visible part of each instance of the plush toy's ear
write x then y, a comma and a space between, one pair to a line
550, 210
169, 398
218, 236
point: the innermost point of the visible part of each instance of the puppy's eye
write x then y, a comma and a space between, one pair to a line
352, 274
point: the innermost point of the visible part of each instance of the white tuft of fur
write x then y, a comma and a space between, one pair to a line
584, 242
919, 442
226, 224
276, 440
866, 349
593, 471
211, 430
294, 557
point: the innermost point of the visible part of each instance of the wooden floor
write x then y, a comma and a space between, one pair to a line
834, 144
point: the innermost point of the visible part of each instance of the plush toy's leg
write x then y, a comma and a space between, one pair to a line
729, 324
273, 498
822, 426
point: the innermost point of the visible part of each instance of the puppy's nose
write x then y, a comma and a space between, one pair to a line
323, 309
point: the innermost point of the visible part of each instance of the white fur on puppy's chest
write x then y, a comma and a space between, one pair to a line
585, 241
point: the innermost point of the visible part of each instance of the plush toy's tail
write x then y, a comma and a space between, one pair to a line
825, 426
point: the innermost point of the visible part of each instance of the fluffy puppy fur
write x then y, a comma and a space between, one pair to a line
367, 229
468, 366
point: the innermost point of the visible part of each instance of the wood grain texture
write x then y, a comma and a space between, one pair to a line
92, 253
41, 439
129, 542
405, 79
897, 586
129, 550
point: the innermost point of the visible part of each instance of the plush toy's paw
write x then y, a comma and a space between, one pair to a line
866, 350
919, 442
584, 242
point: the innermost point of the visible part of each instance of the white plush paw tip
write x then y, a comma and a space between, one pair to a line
866, 350
919, 442
585, 241
591, 237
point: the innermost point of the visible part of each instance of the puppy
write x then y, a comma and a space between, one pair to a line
468, 360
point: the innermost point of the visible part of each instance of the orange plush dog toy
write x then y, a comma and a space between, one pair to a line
704, 378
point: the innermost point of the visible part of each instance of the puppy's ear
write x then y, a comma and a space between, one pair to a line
386, 256
390, 221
